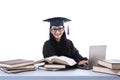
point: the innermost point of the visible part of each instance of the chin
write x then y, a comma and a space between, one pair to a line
58, 37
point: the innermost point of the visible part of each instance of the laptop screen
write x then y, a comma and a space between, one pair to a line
96, 52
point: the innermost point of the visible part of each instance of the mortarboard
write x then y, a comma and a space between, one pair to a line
57, 21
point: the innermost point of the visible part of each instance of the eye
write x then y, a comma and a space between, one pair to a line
57, 29
60, 28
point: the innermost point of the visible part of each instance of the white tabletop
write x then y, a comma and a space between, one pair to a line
76, 74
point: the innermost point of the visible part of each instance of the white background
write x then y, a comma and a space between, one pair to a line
22, 31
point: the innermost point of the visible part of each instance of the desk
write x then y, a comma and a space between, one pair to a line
75, 74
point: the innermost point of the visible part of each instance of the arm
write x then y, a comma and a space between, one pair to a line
77, 57
45, 50
48, 50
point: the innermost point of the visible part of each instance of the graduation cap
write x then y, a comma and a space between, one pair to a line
58, 21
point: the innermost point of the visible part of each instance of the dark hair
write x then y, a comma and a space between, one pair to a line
61, 48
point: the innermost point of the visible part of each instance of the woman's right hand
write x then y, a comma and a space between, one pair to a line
83, 62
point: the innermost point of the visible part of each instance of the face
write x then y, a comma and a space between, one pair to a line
57, 32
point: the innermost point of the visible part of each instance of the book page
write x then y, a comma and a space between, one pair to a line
50, 58
42, 61
58, 59
70, 61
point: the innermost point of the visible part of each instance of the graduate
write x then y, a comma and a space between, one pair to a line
58, 44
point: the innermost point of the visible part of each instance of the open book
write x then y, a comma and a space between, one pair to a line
58, 60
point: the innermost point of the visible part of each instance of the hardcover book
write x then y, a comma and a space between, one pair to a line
102, 69
54, 66
15, 63
110, 63
18, 69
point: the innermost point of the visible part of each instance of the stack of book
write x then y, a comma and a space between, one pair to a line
56, 63
108, 66
17, 65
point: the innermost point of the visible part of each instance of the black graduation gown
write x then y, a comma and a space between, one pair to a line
48, 50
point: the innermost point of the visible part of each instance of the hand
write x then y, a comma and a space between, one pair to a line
83, 62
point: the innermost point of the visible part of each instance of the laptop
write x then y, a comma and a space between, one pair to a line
95, 52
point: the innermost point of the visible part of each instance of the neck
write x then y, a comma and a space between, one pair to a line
58, 40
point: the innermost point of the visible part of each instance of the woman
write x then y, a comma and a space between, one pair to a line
58, 44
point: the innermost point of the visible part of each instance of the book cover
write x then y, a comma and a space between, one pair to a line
110, 63
102, 69
16, 70
54, 66
49, 69
15, 63
118, 73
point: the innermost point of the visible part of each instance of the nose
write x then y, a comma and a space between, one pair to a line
57, 31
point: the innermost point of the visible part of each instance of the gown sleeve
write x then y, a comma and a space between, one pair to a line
45, 51
75, 53
48, 50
